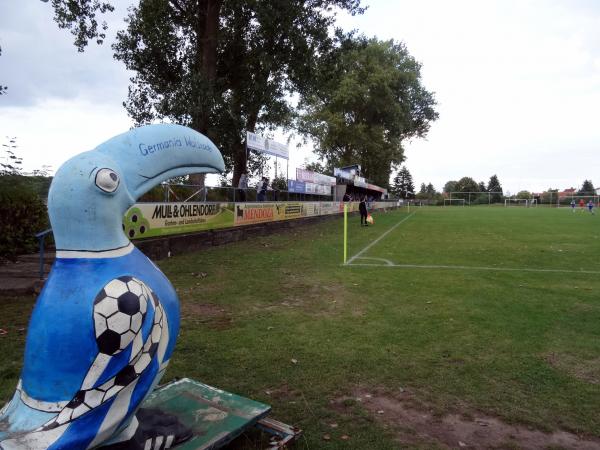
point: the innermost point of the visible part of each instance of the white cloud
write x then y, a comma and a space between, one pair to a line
54, 130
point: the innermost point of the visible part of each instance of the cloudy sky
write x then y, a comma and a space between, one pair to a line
517, 82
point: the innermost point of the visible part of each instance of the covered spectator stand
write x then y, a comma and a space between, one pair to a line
350, 185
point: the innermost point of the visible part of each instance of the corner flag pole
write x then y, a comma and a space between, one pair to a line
345, 232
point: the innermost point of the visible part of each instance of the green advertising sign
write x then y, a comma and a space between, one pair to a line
145, 220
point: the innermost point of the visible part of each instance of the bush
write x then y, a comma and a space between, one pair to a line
22, 215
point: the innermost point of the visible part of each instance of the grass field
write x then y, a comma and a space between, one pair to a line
452, 327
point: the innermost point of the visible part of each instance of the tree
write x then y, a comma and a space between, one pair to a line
495, 187
79, 16
23, 214
219, 66
431, 192
482, 187
450, 186
466, 184
12, 164
587, 188
315, 167
22, 210
368, 100
279, 184
427, 191
524, 194
403, 184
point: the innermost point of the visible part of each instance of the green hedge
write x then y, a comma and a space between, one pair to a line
22, 215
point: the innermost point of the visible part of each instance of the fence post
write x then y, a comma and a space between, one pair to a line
41, 238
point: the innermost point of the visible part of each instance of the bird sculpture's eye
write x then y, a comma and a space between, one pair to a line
107, 180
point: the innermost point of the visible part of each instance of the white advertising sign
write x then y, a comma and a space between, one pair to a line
314, 177
264, 145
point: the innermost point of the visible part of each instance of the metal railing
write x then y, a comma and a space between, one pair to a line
195, 193
41, 237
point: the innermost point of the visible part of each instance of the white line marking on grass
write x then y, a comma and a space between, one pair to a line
378, 239
386, 261
499, 269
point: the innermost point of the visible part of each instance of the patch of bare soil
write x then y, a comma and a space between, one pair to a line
583, 370
416, 423
320, 299
283, 393
213, 315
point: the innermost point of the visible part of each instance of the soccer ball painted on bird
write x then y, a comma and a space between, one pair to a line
119, 310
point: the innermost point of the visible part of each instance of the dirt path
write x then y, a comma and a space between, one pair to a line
414, 423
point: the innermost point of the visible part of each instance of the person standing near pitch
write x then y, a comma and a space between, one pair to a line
590, 206
243, 186
362, 207
261, 189
582, 204
573, 205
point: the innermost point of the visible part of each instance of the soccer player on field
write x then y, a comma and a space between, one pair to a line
582, 204
573, 205
590, 206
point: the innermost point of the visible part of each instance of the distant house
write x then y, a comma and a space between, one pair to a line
567, 193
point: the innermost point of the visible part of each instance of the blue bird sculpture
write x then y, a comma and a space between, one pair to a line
104, 326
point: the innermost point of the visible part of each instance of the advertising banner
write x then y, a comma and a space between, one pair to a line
249, 213
289, 210
331, 207
305, 175
145, 220
264, 145
314, 177
324, 190
297, 186
352, 206
312, 209
158, 219
304, 187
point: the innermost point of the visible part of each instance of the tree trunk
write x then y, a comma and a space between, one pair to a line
207, 29
240, 162
240, 155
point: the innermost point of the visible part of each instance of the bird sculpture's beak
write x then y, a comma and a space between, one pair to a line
149, 155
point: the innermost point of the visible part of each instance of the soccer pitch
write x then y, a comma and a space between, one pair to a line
515, 239
478, 325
